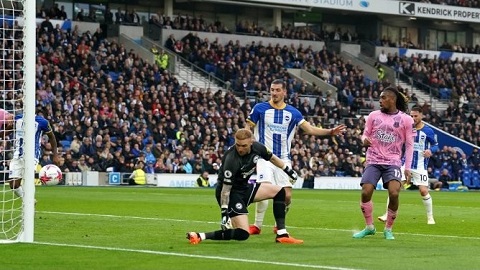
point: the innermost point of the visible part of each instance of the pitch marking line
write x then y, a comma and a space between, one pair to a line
196, 256
210, 222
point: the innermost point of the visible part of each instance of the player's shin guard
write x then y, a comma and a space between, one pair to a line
279, 209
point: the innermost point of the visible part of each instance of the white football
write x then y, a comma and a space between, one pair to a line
50, 175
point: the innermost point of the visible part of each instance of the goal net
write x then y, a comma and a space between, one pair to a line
17, 59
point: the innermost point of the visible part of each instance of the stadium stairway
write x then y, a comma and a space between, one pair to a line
436, 104
198, 79
183, 70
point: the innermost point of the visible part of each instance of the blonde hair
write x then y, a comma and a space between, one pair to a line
243, 134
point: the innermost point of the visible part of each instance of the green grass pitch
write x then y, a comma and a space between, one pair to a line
144, 228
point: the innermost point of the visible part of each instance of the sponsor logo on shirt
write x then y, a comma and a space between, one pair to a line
384, 136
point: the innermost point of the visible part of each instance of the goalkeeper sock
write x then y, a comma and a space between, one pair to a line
260, 213
19, 191
279, 209
230, 234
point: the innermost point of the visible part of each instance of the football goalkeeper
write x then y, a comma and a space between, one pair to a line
234, 193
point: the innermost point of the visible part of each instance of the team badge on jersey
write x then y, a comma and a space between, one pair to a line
227, 174
255, 159
239, 206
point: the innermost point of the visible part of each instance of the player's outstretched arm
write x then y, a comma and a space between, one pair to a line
311, 130
53, 143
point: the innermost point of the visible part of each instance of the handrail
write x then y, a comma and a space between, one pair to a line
416, 82
193, 68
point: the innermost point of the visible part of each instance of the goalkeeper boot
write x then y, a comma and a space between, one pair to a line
194, 238
364, 232
287, 239
388, 234
253, 229
383, 218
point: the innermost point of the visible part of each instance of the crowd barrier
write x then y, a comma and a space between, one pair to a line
189, 180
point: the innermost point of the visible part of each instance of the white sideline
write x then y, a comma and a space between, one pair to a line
197, 256
210, 222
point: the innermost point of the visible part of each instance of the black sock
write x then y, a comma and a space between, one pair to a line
279, 209
220, 235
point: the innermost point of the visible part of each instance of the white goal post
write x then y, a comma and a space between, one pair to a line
17, 70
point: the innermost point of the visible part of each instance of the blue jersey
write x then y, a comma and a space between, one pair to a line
424, 140
41, 126
275, 128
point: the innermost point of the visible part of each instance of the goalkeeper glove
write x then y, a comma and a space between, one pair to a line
293, 174
226, 223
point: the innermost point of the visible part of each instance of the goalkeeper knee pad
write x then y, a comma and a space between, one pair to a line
240, 234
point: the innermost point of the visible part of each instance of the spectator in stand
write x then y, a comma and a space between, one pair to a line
456, 166
382, 57
474, 159
185, 166
445, 178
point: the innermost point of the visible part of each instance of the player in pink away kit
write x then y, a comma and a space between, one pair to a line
386, 132
6, 127
6, 119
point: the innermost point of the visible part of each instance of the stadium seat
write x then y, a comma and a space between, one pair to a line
65, 144
437, 173
340, 173
476, 182
445, 93
210, 68
113, 75
467, 179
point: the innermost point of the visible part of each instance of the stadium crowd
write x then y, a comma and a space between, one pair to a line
109, 108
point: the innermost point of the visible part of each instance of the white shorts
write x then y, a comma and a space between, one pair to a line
16, 168
420, 179
267, 172
402, 169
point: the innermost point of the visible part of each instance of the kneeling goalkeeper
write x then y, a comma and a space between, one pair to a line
234, 193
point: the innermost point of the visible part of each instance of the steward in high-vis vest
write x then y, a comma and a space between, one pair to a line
138, 177
380, 70
202, 180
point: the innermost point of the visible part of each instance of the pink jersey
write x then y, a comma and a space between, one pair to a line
387, 134
3, 117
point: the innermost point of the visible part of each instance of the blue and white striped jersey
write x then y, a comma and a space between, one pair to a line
424, 140
275, 128
41, 126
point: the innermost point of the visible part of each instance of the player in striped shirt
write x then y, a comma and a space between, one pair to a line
274, 123
42, 126
425, 144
